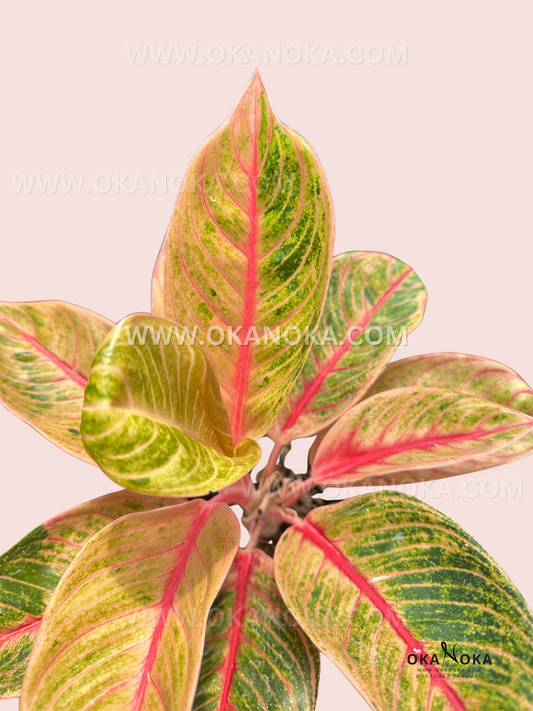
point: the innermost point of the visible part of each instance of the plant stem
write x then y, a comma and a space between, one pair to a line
297, 489
274, 454
255, 534
284, 514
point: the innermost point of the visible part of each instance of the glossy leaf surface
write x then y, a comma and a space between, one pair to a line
249, 249
383, 576
410, 429
256, 657
373, 302
153, 417
472, 375
46, 351
31, 570
125, 627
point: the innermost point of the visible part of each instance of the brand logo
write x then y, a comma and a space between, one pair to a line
417, 657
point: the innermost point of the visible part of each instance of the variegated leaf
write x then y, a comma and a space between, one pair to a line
248, 257
382, 580
31, 570
125, 627
46, 351
256, 657
479, 377
373, 302
158, 283
153, 417
413, 429
472, 375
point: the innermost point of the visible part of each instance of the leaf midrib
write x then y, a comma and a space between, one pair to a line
356, 461
317, 537
244, 569
20, 631
71, 372
182, 560
252, 282
314, 385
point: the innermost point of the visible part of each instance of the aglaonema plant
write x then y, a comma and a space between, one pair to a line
142, 600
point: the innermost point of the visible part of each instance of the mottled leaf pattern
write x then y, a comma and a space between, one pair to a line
249, 249
413, 428
383, 576
31, 570
125, 627
134, 602
472, 375
373, 302
46, 351
256, 657
479, 377
153, 417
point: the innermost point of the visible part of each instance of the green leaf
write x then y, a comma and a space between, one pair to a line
373, 302
256, 657
46, 351
380, 577
471, 375
249, 249
125, 627
413, 428
153, 417
31, 570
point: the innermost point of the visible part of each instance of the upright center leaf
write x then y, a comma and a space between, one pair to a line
247, 258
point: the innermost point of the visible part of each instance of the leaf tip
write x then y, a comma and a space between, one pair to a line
254, 91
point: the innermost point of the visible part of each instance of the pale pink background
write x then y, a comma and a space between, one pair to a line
430, 161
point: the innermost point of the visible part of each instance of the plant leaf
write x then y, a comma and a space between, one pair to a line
255, 657
46, 351
383, 576
471, 375
249, 249
373, 302
31, 570
153, 417
125, 627
479, 377
158, 283
413, 428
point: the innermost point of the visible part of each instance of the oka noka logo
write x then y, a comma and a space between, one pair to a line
418, 657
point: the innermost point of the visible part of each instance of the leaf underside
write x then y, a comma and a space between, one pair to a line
256, 657
125, 627
373, 302
46, 351
249, 249
32, 568
382, 576
153, 416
